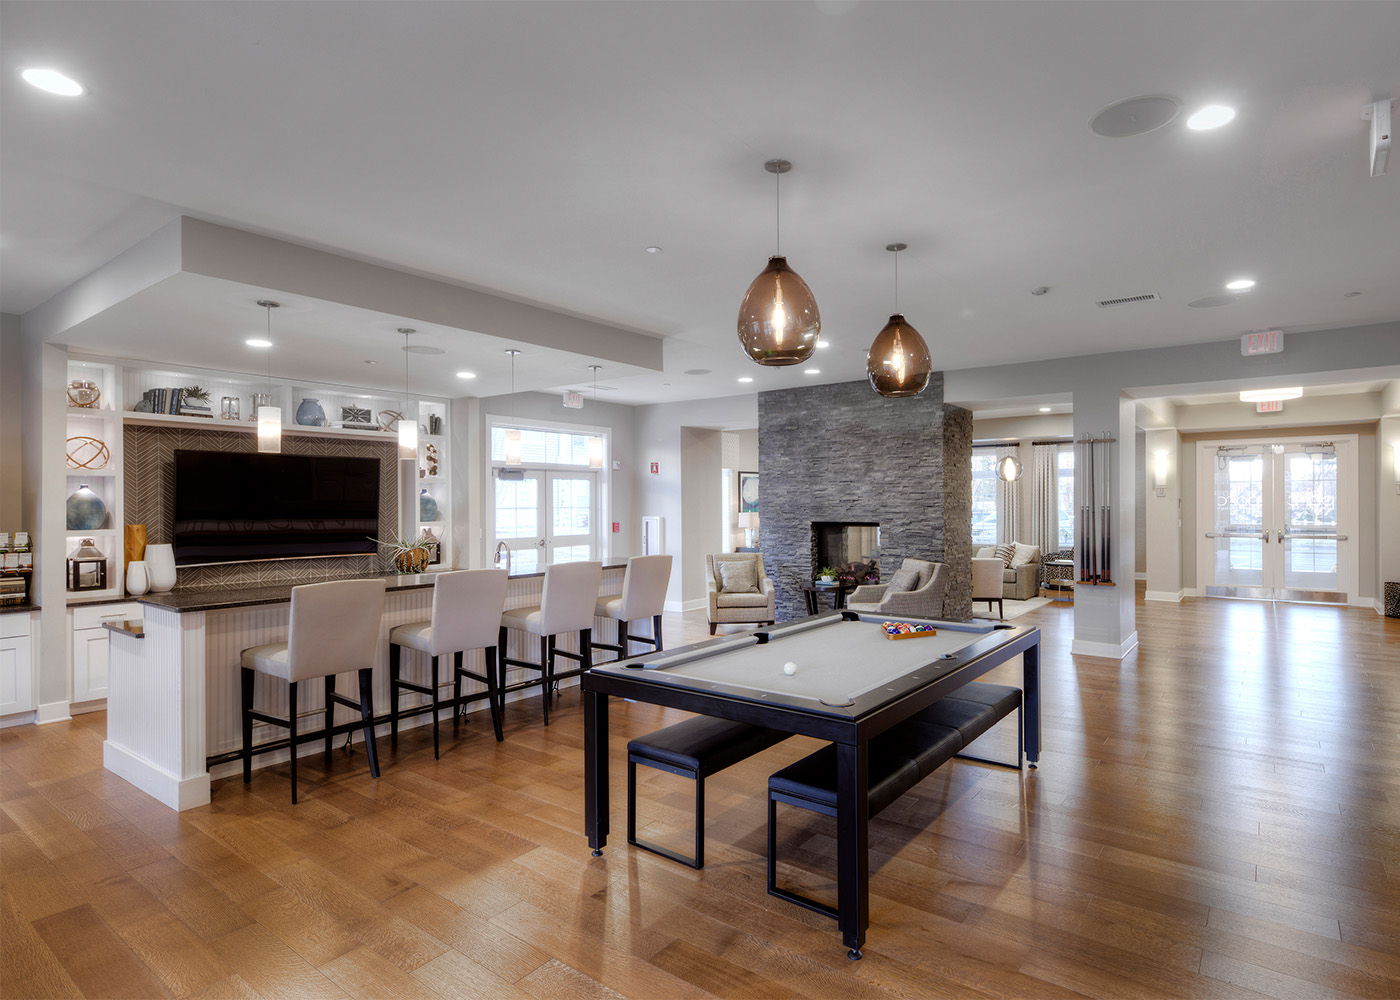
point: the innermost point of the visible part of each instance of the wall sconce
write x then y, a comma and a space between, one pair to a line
1159, 462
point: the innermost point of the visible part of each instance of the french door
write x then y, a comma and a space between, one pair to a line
547, 517
1278, 520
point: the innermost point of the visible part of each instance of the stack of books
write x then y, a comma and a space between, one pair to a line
175, 401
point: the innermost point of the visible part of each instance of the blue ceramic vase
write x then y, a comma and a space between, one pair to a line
86, 511
310, 414
427, 507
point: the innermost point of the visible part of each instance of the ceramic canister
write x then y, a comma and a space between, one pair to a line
160, 567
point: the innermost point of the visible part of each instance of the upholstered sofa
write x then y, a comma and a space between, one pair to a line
1021, 577
923, 600
739, 592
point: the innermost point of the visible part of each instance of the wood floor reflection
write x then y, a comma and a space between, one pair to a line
1216, 816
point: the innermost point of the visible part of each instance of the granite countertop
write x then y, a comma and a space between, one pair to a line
17, 607
224, 597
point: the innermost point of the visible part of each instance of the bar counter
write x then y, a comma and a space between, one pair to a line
173, 700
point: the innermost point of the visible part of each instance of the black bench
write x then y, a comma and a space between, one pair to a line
897, 760
695, 749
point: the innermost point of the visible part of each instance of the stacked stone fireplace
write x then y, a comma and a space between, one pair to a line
853, 550
842, 455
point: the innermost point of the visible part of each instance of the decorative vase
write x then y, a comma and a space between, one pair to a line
135, 545
310, 414
137, 581
411, 560
86, 511
160, 567
427, 507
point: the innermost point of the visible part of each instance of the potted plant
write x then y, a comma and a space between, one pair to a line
411, 555
828, 574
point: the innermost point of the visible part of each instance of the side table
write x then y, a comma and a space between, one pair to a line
1057, 579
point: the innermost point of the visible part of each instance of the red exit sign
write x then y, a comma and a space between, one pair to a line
1272, 406
1261, 342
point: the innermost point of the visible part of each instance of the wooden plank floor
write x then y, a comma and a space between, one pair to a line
1217, 816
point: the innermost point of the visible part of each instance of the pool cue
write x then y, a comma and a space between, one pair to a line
1093, 520
1107, 516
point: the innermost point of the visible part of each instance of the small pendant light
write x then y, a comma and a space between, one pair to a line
408, 428
1009, 468
595, 443
269, 417
778, 320
898, 364
512, 433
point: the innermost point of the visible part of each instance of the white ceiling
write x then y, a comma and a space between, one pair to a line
536, 149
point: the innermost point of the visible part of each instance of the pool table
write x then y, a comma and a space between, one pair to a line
849, 683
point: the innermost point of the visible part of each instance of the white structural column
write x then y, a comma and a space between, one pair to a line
1105, 622
1388, 496
1163, 516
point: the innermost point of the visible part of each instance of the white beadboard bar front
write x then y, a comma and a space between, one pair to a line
174, 697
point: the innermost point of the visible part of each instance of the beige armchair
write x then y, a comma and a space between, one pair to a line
739, 592
925, 600
987, 583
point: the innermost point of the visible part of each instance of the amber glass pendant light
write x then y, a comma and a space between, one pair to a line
778, 320
898, 364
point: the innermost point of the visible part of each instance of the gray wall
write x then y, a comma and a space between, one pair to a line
842, 453
11, 420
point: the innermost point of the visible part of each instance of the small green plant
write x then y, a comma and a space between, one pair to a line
198, 393
410, 555
830, 571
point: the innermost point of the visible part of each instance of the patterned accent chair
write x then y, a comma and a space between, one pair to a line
747, 597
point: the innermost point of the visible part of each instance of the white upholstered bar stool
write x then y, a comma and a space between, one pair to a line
467, 606
333, 629
566, 605
643, 596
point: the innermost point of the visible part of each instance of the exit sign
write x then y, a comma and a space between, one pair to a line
1272, 406
573, 400
1261, 342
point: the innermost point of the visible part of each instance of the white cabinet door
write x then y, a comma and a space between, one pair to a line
16, 675
89, 664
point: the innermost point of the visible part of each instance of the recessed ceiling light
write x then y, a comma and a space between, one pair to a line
1045, 409
1240, 284
257, 342
1211, 116
369, 362
1270, 395
466, 374
1351, 295
745, 378
53, 82
653, 249
811, 371
1135, 116
697, 371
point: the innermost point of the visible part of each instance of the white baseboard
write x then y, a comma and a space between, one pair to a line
1169, 596
54, 711
683, 606
164, 788
83, 707
18, 719
1108, 650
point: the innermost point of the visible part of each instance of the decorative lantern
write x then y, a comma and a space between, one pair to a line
87, 568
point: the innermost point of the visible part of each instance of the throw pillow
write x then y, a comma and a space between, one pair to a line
987, 552
1005, 551
738, 577
903, 581
1025, 554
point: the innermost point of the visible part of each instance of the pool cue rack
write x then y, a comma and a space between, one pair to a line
1093, 484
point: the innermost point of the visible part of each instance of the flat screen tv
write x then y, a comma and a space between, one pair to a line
241, 507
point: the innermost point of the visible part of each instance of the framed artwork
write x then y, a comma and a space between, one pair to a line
748, 493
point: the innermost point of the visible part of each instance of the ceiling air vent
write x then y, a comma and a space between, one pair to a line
1129, 300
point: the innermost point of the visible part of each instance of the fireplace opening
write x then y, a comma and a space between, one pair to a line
852, 548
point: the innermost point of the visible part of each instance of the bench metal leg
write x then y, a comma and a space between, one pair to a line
1020, 746
698, 860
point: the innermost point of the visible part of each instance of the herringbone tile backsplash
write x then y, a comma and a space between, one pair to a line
150, 500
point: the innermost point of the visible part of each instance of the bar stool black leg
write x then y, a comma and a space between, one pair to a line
394, 667
623, 629
247, 687
457, 707
656, 631
546, 671
585, 645
330, 716
493, 692
292, 725
367, 713
435, 708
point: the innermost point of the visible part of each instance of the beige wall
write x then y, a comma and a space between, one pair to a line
11, 435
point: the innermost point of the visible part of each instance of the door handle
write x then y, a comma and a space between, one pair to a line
540, 543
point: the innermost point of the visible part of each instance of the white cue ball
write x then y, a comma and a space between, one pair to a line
789, 668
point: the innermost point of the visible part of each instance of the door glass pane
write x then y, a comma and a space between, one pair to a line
1310, 508
1239, 512
517, 510
573, 508
571, 553
524, 561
